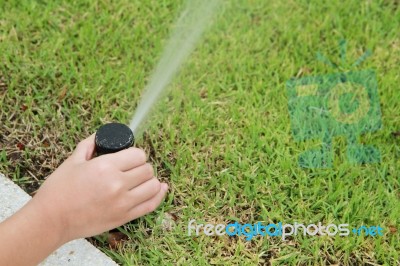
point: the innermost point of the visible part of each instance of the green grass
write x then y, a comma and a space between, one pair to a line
222, 138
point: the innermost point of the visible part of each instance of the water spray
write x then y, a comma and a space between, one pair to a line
188, 29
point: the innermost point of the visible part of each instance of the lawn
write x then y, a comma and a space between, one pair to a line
222, 137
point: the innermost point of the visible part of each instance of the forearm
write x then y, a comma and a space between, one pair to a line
29, 236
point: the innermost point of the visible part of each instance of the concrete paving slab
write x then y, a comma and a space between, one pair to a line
78, 252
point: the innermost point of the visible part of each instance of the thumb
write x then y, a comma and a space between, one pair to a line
85, 149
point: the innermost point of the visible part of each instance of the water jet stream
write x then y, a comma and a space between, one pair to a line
188, 30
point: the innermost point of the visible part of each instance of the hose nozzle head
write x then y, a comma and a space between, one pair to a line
113, 137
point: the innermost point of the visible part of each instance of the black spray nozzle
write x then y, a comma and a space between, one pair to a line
113, 137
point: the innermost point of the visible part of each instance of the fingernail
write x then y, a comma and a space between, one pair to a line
165, 186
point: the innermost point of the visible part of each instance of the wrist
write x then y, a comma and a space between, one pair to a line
48, 220
33, 231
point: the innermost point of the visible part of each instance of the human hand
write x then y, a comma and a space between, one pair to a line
86, 196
